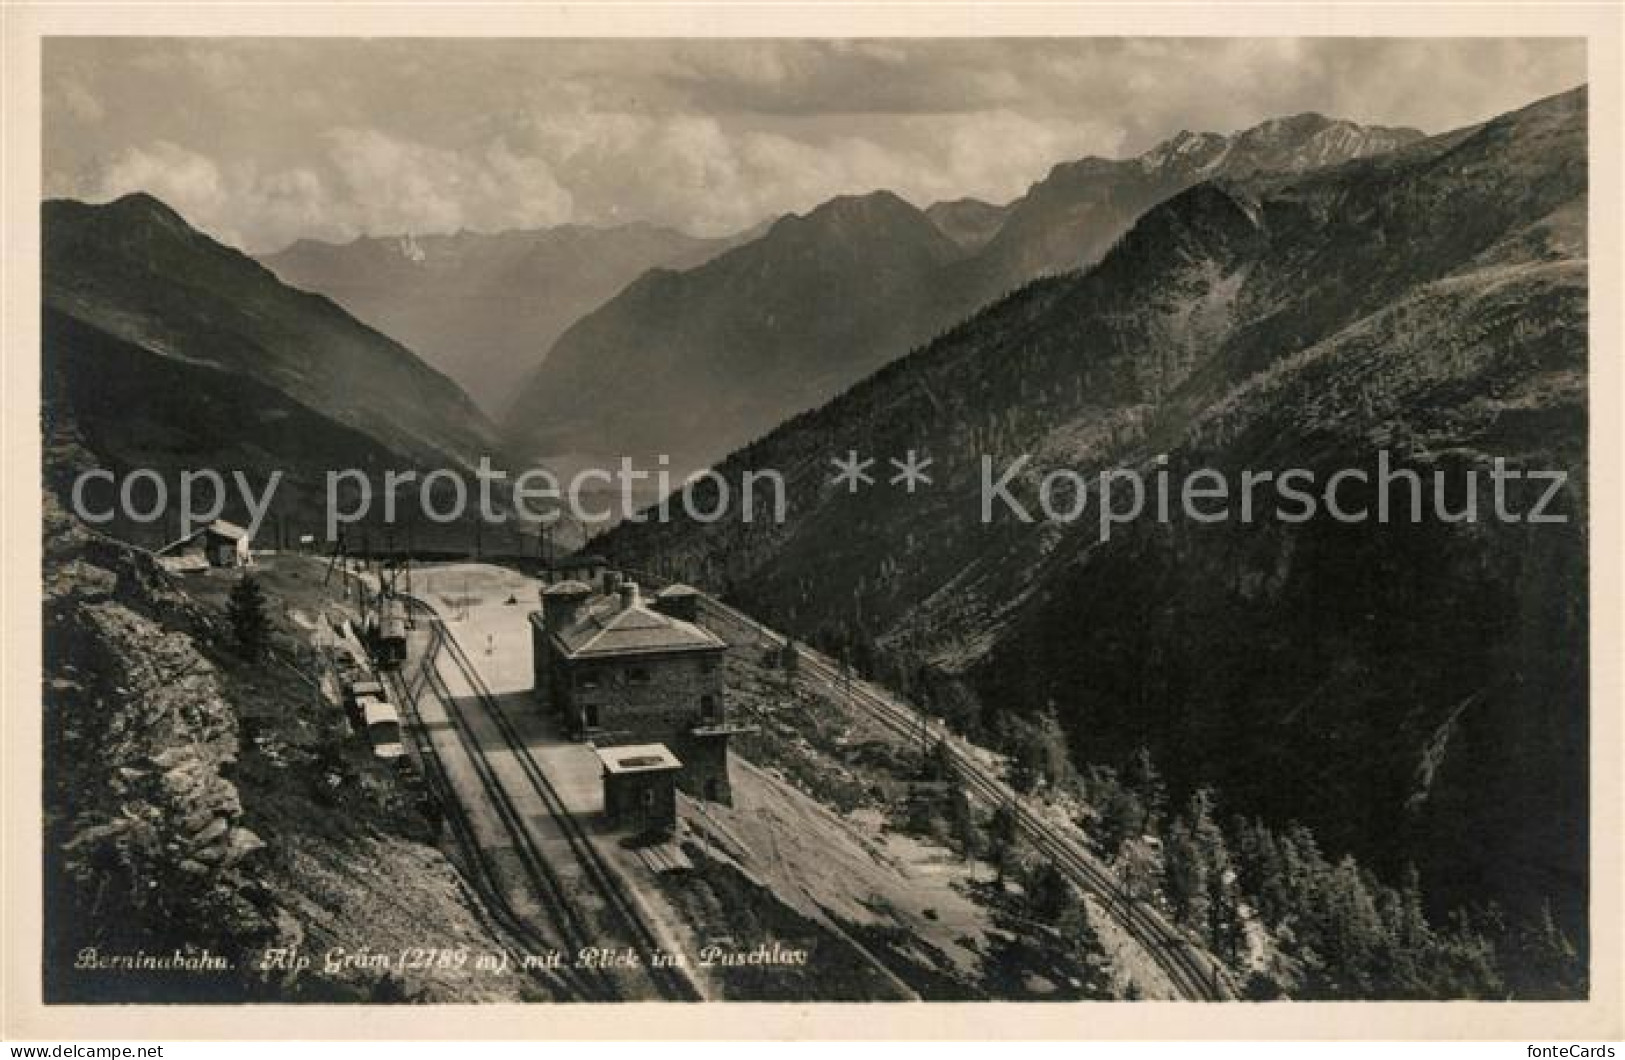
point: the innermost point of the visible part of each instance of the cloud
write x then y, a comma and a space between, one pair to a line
391, 185
186, 179
848, 77
237, 204
712, 178
261, 141
76, 101
365, 182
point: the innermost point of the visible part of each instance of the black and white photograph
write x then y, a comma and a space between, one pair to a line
562, 520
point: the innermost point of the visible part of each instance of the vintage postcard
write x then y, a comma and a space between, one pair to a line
1064, 523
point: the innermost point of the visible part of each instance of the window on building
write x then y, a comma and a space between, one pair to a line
637, 675
587, 679
708, 666
708, 708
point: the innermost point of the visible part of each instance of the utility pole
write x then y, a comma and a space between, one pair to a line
337, 559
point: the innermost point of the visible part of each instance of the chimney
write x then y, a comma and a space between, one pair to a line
629, 595
561, 604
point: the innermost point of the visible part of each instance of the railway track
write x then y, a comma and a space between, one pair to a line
484, 875
667, 981
1193, 973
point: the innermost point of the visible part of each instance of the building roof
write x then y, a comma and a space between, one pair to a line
608, 627
218, 528
227, 529
184, 563
638, 758
568, 588
676, 589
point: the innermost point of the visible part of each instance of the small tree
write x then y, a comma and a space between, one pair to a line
1142, 777
1004, 839
1054, 756
249, 624
962, 819
1138, 869
1119, 818
1050, 893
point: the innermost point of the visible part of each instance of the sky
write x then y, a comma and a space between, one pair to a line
263, 141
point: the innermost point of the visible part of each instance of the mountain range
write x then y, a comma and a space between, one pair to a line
485, 308
789, 320
1416, 691
1298, 295
691, 364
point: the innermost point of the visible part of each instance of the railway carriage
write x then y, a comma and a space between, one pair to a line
382, 724
387, 633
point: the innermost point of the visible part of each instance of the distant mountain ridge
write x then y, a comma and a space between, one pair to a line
485, 308
1068, 220
788, 320
968, 222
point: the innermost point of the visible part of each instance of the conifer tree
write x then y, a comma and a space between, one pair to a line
245, 609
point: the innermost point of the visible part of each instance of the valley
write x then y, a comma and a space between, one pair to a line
898, 744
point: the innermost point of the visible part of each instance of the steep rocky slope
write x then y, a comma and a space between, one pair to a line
199, 804
1410, 690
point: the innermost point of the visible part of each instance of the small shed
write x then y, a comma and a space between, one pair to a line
640, 787
219, 544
